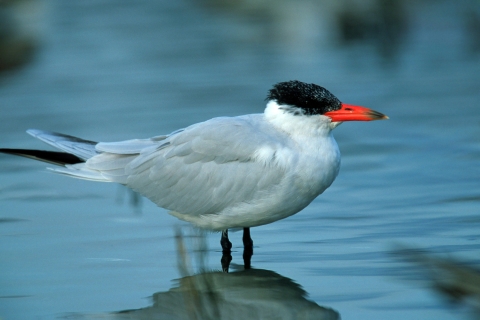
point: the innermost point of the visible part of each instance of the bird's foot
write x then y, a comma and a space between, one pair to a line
226, 244
247, 248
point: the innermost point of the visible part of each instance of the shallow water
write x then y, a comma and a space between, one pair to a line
110, 71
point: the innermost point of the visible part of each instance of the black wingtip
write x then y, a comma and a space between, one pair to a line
52, 157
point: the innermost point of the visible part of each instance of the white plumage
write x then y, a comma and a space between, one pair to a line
222, 173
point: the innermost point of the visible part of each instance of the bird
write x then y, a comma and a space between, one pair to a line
226, 172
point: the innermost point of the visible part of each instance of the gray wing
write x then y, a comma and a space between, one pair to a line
209, 166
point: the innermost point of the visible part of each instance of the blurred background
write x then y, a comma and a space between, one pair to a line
110, 70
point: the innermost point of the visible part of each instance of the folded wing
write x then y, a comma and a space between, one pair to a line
207, 168
202, 169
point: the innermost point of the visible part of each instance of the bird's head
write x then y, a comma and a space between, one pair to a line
308, 99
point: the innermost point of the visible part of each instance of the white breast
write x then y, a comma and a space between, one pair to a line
308, 157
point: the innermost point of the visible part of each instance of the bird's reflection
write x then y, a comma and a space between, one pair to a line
247, 294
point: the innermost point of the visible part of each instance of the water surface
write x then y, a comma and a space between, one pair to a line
110, 71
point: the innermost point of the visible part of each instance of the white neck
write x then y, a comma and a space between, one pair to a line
298, 125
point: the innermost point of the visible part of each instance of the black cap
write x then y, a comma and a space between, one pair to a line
312, 99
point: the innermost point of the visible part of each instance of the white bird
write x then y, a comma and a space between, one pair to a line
228, 172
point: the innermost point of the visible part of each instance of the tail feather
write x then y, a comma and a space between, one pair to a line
83, 159
52, 157
80, 171
84, 149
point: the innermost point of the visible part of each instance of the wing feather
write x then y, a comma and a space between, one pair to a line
109, 161
204, 169
207, 168
134, 146
180, 150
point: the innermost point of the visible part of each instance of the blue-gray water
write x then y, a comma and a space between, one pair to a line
109, 70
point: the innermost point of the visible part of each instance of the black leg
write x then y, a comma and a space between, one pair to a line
226, 249
226, 244
247, 248
247, 240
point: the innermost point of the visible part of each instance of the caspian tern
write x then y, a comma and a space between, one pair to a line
228, 172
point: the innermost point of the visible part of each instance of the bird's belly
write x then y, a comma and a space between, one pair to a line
306, 178
280, 203
245, 215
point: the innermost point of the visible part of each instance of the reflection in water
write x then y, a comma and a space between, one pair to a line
248, 294
134, 198
458, 282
